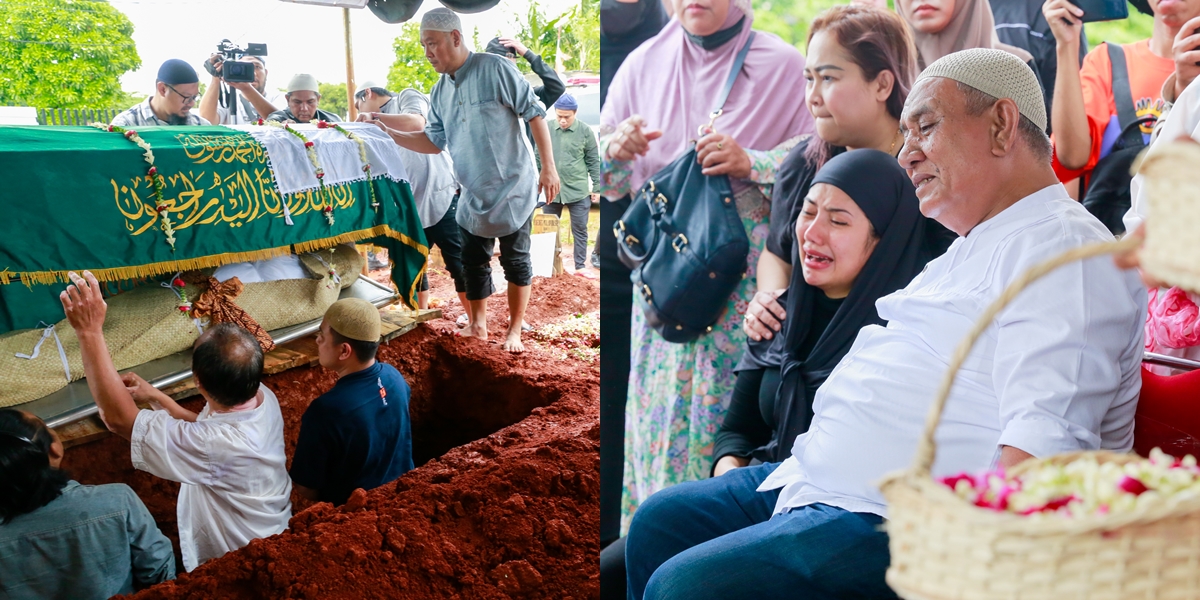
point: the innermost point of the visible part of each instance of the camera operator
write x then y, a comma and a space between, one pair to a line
175, 93
253, 99
303, 100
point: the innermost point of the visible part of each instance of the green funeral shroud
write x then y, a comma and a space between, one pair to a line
79, 198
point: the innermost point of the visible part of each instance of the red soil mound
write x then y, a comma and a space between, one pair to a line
513, 514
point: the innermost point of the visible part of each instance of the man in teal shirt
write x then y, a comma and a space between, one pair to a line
576, 156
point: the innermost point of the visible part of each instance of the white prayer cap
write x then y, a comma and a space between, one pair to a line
366, 85
303, 82
996, 73
441, 19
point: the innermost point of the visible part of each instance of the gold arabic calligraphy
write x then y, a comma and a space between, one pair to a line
236, 189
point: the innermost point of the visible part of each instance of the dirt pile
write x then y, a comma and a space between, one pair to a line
513, 513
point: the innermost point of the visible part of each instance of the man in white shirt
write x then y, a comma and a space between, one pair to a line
229, 458
1056, 371
434, 187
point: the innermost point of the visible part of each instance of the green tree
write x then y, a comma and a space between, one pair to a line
540, 34
333, 98
789, 19
581, 37
411, 69
64, 54
1136, 27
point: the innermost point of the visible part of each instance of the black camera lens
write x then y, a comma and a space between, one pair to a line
238, 71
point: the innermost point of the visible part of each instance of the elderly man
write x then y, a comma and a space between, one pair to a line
254, 100
577, 158
229, 458
435, 191
1057, 371
175, 93
479, 105
303, 101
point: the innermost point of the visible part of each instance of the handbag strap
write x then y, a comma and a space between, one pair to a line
737, 67
1123, 98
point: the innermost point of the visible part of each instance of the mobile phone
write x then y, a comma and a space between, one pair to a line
1102, 10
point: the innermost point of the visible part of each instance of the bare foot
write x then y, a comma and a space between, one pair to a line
477, 331
512, 341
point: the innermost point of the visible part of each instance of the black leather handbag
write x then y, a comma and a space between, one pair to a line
685, 242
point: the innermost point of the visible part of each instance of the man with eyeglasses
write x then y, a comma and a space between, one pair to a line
176, 91
303, 101
253, 98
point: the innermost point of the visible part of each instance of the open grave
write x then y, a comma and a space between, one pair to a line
504, 500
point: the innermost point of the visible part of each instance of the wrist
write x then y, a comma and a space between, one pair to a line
89, 335
1067, 50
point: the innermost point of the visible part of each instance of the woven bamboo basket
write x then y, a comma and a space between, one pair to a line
944, 548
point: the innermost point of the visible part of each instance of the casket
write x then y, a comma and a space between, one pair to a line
159, 206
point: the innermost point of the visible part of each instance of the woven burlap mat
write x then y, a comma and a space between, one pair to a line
145, 324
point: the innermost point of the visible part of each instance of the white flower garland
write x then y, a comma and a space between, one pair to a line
160, 204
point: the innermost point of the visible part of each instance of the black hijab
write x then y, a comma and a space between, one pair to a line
882, 190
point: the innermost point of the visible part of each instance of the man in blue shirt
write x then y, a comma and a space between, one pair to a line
358, 434
478, 110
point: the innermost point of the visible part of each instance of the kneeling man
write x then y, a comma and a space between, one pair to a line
1056, 371
356, 435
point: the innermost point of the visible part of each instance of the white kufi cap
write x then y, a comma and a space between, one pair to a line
996, 73
441, 19
303, 82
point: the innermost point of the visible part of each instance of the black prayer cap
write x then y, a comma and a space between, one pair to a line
495, 47
175, 72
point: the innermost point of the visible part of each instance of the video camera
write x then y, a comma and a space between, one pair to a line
232, 69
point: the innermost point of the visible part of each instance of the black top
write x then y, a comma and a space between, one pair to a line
748, 424
552, 87
356, 435
549, 92
624, 27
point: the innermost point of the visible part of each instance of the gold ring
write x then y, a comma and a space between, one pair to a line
719, 145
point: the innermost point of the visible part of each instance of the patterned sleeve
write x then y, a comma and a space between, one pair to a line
765, 163
615, 175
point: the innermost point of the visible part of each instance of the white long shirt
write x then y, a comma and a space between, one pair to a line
1182, 120
233, 470
1057, 371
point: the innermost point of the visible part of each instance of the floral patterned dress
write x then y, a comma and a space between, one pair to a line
678, 393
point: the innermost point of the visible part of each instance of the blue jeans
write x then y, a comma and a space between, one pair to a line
716, 539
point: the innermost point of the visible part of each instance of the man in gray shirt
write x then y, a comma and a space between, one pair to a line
478, 107
435, 191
